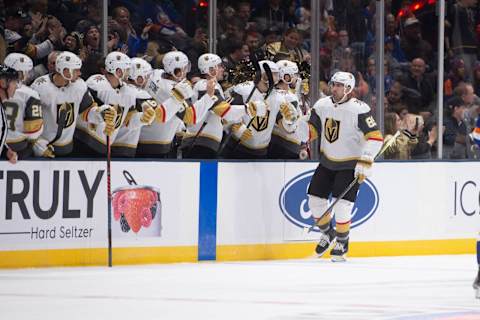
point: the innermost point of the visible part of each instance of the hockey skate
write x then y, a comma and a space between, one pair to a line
339, 251
476, 285
326, 240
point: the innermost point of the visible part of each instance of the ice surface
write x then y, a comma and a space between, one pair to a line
432, 287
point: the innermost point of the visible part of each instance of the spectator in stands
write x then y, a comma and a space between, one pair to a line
472, 103
462, 17
244, 12
404, 143
289, 48
237, 52
412, 43
233, 32
272, 14
476, 78
198, 46
392, 39
455, 76
454, 137
73, 42
416, 79
136, 44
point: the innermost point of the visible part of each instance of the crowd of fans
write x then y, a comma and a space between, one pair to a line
280, 30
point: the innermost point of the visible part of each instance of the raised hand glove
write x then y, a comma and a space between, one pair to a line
256, 108
287, 110
363, 169
109, 116
182, 90
148, 116
241, 130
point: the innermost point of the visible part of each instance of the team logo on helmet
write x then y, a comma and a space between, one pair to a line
332, 130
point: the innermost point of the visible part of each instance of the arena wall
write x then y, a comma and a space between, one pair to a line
54, 213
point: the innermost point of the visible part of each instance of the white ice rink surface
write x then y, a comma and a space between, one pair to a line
436, 287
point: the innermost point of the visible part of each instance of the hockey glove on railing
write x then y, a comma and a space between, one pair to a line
241, 131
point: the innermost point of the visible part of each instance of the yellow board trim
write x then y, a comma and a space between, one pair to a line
299, 250
97, 256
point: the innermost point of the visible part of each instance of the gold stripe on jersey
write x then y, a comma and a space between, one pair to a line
63, 144
221, 109
374, 135
126, 145
31, 126
154, 142
205, 135
338, 159
190, 116
84, 114
17, 140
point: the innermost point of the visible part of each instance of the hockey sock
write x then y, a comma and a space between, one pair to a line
343, 230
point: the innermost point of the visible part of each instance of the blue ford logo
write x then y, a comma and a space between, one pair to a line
293, 201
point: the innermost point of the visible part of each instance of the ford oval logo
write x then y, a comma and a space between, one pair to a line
293, 201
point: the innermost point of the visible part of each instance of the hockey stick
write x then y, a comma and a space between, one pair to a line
62, 118
385, 146
109, 210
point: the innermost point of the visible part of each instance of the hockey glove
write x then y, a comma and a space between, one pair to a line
109, 116
287, 110
242, 131
182, 90
148, 116
256, 108
363, 169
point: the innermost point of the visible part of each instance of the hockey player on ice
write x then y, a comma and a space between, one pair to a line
117, 100
350, 140
23, 110
8, 85
288, 137
63, 95
252, 137
172, 92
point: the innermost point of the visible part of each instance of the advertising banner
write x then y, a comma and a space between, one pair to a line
155, 203
267, 202
52, 204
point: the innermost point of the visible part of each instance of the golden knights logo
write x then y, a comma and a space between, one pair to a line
68, 109
261, 123
118, 119
332, 130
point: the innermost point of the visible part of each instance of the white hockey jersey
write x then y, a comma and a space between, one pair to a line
346, 131
261, 127
156, 139
24, 115
71, 100
122, 99
213, 121
126, 141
